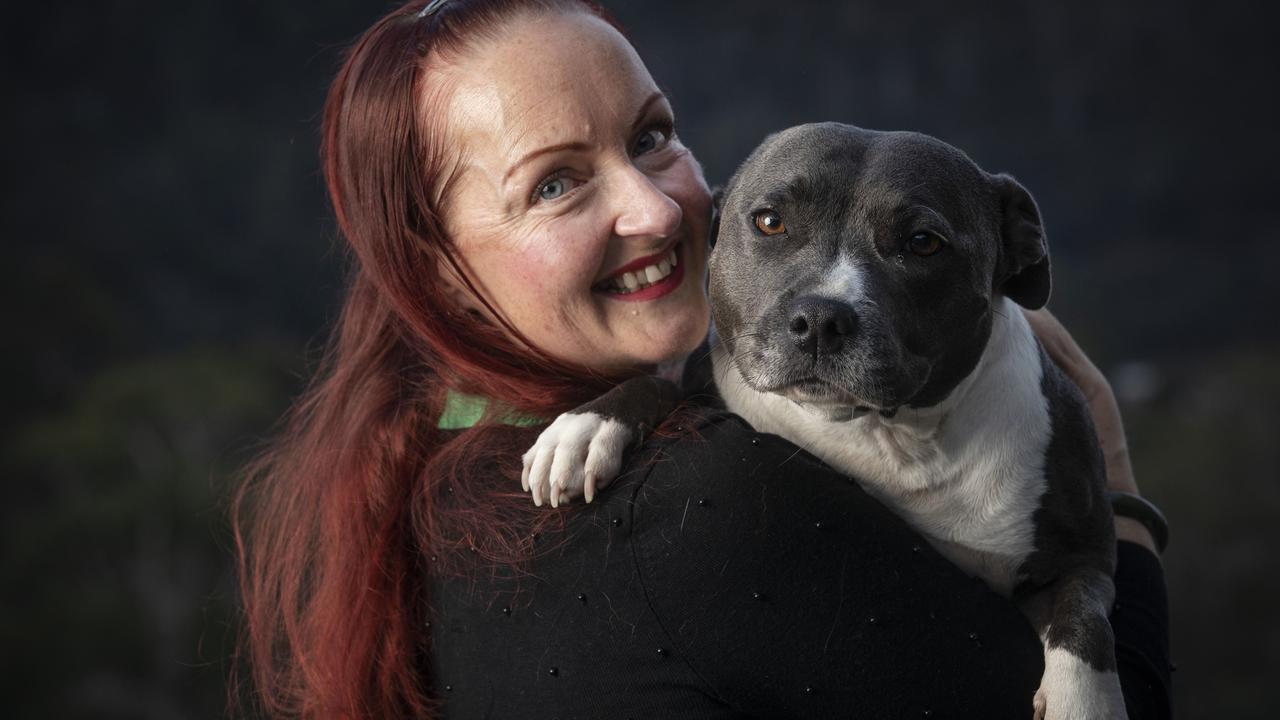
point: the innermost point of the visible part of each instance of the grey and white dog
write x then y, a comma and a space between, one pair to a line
863, 286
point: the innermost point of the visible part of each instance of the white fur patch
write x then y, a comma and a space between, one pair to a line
844, 281
968, 473
1072, 690
576, 455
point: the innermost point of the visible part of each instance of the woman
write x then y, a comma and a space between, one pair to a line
500, 167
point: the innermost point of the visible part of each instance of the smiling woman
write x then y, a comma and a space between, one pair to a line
571, 199
527, 232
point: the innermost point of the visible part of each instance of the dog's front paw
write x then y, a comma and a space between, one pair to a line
1072, 690
1040, 704
576, 455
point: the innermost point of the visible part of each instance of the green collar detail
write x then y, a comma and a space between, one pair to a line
464, 411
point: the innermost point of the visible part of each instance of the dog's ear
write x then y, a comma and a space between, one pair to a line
1022, 271
717, 201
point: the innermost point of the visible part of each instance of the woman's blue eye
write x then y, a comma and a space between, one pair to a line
648, 141
552, 189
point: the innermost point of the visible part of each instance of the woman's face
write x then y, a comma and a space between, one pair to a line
575, 210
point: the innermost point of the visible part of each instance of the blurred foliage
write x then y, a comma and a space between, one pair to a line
1206, 451
175, 257
116, 556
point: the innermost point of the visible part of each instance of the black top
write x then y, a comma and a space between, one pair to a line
728, 574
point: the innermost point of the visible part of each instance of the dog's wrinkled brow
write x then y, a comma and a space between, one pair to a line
798, 190
923, 212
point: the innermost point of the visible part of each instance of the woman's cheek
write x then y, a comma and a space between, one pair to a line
691, 185
551, 275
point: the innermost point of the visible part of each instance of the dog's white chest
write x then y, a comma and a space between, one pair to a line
968, 473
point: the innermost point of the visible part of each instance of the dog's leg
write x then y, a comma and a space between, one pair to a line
1080, 680
582, 450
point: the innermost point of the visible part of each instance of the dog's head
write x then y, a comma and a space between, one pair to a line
858, 269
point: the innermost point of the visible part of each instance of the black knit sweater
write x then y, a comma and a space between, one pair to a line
728, 574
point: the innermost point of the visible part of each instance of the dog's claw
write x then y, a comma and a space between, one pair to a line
538, 467
577, 455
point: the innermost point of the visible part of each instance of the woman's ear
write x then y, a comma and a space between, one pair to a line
1022, 268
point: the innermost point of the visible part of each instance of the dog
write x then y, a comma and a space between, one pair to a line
865, 288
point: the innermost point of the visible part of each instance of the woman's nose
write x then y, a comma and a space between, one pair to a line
643, 208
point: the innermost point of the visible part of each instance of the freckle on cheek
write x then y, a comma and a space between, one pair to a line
529, 278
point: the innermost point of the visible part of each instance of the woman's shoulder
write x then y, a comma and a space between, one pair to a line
712, 456
748, 549
720, 482
716, 498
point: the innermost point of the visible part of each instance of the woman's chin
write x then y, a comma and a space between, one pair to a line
683, 334
634, 337
674, 344
689, 342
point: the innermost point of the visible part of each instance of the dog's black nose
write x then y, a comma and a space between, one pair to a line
821, 325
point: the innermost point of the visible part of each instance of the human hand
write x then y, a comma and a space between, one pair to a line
1068, 356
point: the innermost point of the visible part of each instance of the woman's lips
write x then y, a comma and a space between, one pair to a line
646, 279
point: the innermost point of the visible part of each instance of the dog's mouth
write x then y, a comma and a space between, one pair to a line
827, 397
832, 402
813, 390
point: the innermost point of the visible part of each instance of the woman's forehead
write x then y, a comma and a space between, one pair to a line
546, 79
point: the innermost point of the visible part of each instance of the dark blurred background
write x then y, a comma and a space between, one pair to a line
175, 267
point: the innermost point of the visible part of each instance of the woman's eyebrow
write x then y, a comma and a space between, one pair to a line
578, 146
656, 97
653, 99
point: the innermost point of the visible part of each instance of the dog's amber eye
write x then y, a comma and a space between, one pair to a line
924, 244
770, 222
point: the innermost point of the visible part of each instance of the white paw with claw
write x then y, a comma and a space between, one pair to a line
575, 456
1072, 690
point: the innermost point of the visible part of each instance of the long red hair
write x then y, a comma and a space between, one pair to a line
337, 525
